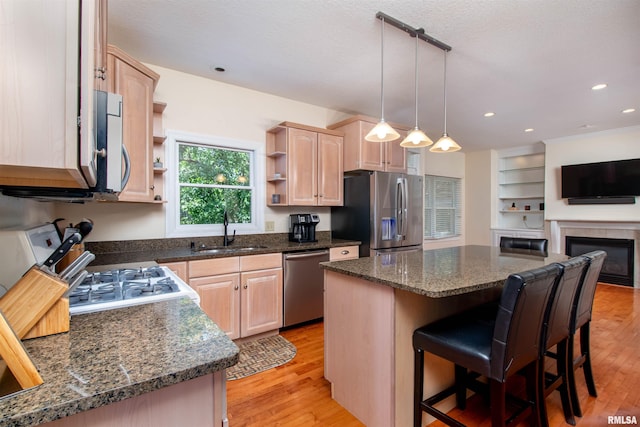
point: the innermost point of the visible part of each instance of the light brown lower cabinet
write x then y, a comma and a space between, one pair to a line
243, 295
197, 402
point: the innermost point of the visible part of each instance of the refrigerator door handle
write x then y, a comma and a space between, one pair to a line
405, 207
401, 207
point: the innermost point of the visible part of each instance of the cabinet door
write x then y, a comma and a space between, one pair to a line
302, 165
220, 300
330, 170
100, 45
39, 94
395, 156
372, 154
136, 89
180, 268
261, 300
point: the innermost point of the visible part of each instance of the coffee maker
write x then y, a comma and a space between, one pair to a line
302, 227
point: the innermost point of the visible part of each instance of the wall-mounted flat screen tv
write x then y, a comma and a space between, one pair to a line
603, 179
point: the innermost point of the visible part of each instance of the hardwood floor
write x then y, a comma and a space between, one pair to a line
296, 394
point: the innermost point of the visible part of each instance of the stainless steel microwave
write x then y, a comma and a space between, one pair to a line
103, 158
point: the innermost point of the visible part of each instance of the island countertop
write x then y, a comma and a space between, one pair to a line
439, 273
113, 355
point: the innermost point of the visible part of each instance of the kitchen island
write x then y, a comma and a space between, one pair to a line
372, 307
160, 364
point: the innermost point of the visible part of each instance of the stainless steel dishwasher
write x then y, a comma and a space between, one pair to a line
303, 286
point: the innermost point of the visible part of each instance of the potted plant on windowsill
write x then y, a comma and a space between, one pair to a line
157, 164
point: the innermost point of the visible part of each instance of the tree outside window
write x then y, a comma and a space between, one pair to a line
208, 174
212, 180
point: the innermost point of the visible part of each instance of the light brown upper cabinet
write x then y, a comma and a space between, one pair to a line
374, 156
304, 166
39, 116
136, 83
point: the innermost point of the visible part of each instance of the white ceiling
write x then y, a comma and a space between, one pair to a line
532, 62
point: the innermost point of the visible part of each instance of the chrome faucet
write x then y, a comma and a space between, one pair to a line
226, 240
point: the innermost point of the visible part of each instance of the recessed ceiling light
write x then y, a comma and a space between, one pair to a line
489, 114
599, 86
529, 130
628, 110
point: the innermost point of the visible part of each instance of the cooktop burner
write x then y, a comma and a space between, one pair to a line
125, 287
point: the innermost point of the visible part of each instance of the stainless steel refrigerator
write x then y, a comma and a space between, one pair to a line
383, 210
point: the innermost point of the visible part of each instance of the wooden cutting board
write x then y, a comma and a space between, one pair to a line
31, 298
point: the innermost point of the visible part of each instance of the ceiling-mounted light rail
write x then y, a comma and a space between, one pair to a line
413, 32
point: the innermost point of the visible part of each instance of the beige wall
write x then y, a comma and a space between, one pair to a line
594, 147
480, 191
202, 106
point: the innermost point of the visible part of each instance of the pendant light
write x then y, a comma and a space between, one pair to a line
445, 144
382, 131
416, 137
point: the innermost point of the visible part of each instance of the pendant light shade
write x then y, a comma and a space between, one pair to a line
445, 144
416, 137
382, 131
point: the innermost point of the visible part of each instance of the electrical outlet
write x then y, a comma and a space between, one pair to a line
524, 218
269, 226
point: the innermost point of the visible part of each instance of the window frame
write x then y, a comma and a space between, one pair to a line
173, 226
457, 207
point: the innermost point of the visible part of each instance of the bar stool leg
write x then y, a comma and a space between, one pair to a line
571, 378
498, 404
563, 367
461, 387
418, 382
586, 353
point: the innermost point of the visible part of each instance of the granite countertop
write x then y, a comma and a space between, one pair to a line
117, 354
444, 272
179, 249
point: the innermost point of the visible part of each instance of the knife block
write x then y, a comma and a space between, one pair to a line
17, 371
75, 251
34, 306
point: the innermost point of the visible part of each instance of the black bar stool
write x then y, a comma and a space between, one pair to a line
495, 347
581, 319
556, 333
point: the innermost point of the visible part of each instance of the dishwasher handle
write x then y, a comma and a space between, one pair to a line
296, 255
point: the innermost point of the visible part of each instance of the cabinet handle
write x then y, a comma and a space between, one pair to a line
345, 252
101, 73
236, 287
245, 286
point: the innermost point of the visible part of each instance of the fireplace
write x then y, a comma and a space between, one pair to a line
618, 267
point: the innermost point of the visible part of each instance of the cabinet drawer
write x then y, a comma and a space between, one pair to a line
344, 252
214, 266
259, 262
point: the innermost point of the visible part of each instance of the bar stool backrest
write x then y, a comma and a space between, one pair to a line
521, 244
558, 325
583, 305
519, 322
